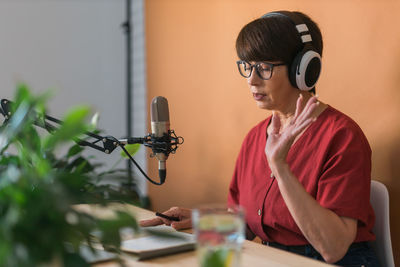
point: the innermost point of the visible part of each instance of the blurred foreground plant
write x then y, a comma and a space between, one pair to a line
38, 223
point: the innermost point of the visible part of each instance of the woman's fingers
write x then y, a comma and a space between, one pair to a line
302, 126
307, 111
184, 224
299, 106
179, 212
183, 214
151, 222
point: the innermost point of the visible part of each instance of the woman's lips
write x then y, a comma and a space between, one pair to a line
258, 96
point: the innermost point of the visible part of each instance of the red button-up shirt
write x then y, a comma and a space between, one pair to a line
331, 159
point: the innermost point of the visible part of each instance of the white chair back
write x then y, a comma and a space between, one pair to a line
383, 244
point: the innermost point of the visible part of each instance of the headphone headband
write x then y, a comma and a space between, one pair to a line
301, 27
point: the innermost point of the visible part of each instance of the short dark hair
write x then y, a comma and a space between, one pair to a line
275, 38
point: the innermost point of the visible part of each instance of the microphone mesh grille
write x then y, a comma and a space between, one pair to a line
159, 109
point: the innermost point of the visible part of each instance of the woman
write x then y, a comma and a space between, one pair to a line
303, 174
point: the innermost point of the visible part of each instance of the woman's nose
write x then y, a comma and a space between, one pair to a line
254, 78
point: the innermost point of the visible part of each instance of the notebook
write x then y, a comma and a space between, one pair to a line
152, 245
96, 256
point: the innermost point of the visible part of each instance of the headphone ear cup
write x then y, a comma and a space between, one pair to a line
305, 70
293, 69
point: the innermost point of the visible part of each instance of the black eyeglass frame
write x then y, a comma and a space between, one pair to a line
254, 66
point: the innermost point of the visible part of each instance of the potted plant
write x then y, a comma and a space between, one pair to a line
38, 190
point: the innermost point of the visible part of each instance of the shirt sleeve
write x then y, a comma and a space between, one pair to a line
344, 185
234, 192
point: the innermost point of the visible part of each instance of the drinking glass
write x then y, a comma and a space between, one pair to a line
219, 232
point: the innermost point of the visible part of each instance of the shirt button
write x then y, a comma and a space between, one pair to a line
259, 212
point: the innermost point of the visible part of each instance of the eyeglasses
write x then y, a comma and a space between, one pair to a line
263, 69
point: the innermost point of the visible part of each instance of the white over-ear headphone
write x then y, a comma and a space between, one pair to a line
305, 68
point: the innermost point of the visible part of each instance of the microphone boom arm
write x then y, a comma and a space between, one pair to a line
109, 143
166, 144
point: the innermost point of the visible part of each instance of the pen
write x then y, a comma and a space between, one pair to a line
171, 218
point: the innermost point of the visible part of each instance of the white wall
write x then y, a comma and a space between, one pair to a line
139, 101
76, 48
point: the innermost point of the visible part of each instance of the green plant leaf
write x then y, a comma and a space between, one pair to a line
73, 126
74, 150
132, 150
111, 237
22, 93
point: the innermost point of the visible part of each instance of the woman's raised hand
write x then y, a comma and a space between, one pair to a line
184, 215
280, 140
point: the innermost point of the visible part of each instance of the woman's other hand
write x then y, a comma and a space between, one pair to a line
184, 215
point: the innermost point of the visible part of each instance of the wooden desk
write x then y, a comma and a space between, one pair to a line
254, 254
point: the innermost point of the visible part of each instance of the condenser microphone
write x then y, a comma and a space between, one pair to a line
160, 129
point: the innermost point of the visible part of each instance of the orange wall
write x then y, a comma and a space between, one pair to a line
191, 61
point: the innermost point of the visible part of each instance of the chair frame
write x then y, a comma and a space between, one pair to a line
379, 199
